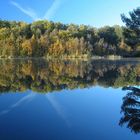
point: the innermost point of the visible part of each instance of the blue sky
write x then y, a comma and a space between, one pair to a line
90, 12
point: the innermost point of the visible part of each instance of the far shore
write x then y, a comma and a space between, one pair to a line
111, 57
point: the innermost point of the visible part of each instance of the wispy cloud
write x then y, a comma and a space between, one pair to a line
53, 9
29, 12
33, 14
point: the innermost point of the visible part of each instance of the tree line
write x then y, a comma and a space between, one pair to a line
49, 39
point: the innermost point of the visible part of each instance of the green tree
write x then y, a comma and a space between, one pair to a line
132, 29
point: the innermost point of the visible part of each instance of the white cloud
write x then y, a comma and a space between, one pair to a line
29, 12
52, 10
33, 15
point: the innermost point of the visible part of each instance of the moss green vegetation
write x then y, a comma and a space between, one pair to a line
53, 40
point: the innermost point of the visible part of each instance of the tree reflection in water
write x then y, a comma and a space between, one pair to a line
131, 109
45, 76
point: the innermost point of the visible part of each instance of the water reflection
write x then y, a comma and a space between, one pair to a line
25, 99
79, 114
131, 109
59, 108
47, 76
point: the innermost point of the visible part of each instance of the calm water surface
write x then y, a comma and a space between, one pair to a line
70, 100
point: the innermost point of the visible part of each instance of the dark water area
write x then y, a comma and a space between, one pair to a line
69, 100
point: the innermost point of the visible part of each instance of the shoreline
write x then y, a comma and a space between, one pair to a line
74, 58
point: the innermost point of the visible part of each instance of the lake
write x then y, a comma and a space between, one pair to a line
69, 100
